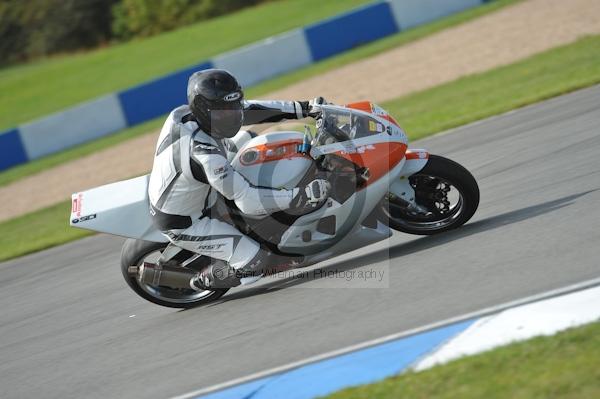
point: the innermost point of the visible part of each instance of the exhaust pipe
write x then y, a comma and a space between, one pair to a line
165, 275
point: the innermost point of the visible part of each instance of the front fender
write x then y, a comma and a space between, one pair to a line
415, 162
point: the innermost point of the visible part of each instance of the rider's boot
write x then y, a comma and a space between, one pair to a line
221, 275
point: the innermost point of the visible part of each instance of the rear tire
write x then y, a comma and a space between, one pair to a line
134, 252
438, 172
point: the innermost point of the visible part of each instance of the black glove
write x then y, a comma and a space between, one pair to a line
312, 108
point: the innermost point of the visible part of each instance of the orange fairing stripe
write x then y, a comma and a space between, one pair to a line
367, 106
274, 151
380, 158
361, 106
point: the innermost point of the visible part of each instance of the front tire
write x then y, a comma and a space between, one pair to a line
433, 185
134, 253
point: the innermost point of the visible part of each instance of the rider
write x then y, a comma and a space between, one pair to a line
191, 166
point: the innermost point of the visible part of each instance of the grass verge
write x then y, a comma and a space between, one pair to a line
49, 85
542, 76
549, 74
566, 365
38, 230
362, 52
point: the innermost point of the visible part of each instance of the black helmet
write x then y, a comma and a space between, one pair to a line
215, 98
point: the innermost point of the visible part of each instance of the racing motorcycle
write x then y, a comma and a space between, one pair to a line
377, 183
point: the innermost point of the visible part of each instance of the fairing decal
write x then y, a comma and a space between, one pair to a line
374, 109
271, 152
379, 158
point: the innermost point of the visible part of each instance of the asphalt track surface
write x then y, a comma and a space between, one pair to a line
70, 327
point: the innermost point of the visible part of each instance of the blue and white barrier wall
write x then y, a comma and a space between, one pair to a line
411, 13
251, 64
268, 58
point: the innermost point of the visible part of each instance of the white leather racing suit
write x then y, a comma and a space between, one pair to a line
191, 168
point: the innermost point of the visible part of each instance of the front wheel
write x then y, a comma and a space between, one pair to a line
447, 196
136, 252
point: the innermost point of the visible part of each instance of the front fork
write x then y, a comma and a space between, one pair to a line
401, 192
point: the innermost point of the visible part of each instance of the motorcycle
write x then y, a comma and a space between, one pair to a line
377, 183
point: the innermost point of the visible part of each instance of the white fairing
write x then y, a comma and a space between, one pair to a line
348, 218
401, 186
122, 208
284, 173
119, 208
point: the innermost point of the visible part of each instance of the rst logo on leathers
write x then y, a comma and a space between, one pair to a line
84, 219
211, 247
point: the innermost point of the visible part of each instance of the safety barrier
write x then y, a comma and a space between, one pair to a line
251, 64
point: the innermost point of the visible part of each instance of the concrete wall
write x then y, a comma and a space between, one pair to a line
268, 58
410, 13
157, 97
12, 151
73, 126
343, 32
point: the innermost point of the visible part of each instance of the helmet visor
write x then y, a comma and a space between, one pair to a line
227, 119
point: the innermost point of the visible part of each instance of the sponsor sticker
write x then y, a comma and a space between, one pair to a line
76, 205
349, 147
376, 127
363, 148
83, 219
359, 150
377, 110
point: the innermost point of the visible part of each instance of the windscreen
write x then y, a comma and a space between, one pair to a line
337, 125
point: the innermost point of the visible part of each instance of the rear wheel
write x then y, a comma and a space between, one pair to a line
135, 253
447, 196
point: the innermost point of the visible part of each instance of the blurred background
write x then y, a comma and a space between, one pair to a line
85, 86
39, 28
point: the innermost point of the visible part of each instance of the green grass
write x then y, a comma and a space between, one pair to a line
566, 365
35, 89
379, 46
542, 76
38, 230
475, 97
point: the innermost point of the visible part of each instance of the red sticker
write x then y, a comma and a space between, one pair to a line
76, 205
